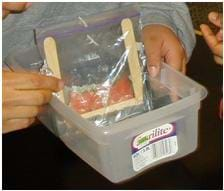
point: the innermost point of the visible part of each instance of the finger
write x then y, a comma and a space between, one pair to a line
173, 96
26, 98
15, 7
154, 59
210, 38
219, 35
184, 67
152, 44
218, 60
12, 112
31, 81
5, 13
152, 49
215, 18
175, 81
16, 124
175, 58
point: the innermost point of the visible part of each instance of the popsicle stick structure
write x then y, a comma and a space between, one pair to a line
51, 55
133, 63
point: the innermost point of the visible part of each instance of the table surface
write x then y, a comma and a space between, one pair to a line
35, 159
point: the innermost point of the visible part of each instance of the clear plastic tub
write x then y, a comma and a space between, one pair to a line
127, 148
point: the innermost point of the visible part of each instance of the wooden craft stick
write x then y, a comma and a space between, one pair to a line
197, 32
51, 55
133, 61
111, 108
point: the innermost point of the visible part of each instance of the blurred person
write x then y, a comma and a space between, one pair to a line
215, 42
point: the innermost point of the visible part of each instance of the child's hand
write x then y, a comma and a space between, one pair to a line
23, 97
214, 41
162, 45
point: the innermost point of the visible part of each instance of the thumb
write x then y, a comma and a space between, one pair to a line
154, 60
210, 38
153, 49
176, 59
153, 53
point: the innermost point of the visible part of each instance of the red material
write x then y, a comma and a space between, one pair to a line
92, 100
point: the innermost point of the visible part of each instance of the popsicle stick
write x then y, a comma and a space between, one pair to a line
51, 55
133, 61
111, 108
197, 32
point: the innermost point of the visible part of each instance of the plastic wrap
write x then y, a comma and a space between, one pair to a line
95, 64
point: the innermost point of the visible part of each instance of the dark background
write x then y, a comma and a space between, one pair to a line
35, 159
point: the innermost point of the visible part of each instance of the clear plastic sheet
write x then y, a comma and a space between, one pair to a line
94, 64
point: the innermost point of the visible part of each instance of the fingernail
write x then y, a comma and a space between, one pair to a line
214, 16
61, 84
153, 70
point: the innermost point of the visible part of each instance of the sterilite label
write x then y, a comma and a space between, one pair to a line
154, 145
